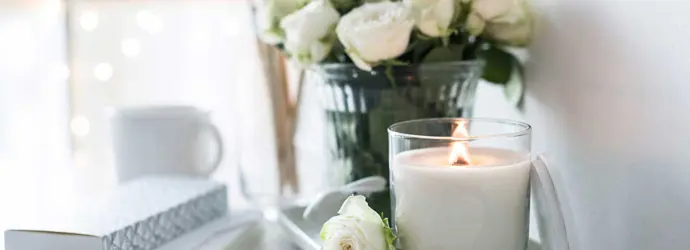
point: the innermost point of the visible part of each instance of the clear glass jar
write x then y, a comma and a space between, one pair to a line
460, 183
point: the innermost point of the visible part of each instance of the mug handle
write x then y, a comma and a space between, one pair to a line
215, 133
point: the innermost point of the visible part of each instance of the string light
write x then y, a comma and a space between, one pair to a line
89, 20
103, 71
80, 126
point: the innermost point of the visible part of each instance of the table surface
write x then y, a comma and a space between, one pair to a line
272, 239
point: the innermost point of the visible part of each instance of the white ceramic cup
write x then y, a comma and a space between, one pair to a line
164, 140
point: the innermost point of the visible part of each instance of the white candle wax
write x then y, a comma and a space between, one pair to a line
444, 207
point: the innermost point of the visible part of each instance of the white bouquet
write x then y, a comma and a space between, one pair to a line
375, 33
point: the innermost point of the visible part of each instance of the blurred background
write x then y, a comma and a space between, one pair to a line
64, 66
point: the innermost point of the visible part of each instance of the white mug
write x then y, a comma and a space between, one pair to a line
164, 140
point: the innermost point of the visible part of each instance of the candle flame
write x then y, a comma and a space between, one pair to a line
460, 150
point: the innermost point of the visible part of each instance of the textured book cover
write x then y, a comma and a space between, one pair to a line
140, 215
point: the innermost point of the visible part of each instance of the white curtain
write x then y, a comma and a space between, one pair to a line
34, 145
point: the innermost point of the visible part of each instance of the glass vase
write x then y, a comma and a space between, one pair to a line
361, 105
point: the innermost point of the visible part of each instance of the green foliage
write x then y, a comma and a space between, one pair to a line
345, 6
515, 88
499, 65
453, 52
502, 67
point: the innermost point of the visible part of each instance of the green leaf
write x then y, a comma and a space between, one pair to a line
344, 6
421, 48
499, 65
389, 75
388, 232
504, 68
514, 90
452, 52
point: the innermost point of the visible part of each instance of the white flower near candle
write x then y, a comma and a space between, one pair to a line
375, 32
309, 32
433, 18
357, 227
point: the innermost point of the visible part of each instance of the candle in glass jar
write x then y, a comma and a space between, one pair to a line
441, 206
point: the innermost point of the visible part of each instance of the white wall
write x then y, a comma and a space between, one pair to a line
608, 98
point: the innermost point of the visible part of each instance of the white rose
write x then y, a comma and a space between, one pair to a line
512, 27
357, 227
269, 16
475, 24
375, 32
515, 27
433, 17
309, 32
490, 9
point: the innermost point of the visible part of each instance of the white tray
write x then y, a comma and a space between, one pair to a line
306, 233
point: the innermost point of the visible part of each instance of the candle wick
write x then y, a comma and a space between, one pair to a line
460, 162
